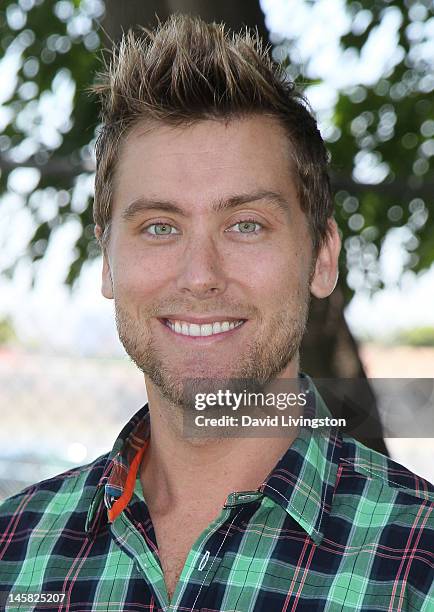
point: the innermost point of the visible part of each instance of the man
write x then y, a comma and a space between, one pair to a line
214, 213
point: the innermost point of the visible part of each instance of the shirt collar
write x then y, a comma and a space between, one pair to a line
112, 484
302, 482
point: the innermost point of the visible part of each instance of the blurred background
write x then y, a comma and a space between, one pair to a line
367, 68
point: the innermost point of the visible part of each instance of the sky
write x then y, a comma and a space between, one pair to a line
50, 317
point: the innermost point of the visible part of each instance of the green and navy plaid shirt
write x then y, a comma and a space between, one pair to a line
335, 527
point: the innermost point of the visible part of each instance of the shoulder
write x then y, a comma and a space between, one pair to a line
70, 490
389, 512
363, 464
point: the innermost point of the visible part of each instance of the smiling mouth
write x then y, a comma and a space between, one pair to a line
215, 328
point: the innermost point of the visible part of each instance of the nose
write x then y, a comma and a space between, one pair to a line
201, 271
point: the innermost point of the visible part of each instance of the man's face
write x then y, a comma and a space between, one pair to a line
207, 231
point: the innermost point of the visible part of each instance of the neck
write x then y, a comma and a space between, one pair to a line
177, 471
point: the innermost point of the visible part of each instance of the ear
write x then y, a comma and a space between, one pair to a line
106, 277
325, 276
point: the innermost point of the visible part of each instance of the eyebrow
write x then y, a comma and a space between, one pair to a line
142, 204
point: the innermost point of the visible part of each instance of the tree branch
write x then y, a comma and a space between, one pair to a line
400, 189
58, 167
53, 168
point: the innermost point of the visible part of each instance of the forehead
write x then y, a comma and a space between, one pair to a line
204, 161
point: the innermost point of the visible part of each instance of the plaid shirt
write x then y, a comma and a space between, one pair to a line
335, 527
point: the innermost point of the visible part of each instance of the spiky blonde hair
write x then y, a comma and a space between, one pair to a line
187, 70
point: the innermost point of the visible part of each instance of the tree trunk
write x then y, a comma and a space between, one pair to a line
329, 351
329, 354
120, 16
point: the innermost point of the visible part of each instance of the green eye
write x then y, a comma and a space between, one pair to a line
161, 229
247, 227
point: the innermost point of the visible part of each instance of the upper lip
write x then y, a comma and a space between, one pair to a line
202, 320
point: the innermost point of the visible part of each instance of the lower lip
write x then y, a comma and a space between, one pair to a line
203, 339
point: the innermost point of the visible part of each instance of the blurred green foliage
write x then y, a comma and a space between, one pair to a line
388, 126
419, 336
7, 332
393, 121
57, 44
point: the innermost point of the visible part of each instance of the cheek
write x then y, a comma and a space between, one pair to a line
136, 275
272, 277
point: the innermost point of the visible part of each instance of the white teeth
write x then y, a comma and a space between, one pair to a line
207, 329
194, 329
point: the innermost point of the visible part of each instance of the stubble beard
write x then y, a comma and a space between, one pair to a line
261, 362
